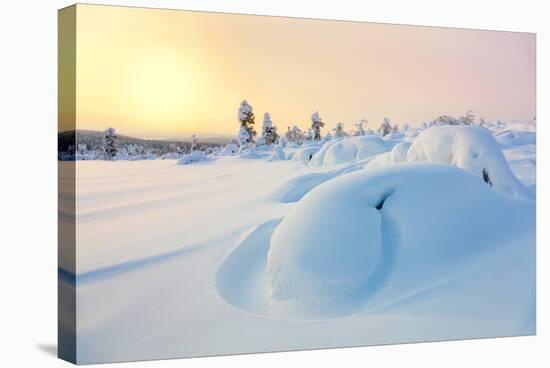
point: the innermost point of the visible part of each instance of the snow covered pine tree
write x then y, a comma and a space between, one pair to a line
316, 125
269, 132
339, 131
243, 138
385, 128
194, 143
360, 128
109, 143
246, 118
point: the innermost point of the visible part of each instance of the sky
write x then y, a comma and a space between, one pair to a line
165, 73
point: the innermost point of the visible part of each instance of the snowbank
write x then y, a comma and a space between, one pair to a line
471, 148
515, 138
383, 235
399, 152
229, 150
350, 149
192, 157
278, 153
396, 155
306, 152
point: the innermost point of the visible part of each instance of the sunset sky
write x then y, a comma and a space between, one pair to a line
165, 73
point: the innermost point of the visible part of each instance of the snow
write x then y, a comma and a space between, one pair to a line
363, 241
229, 149
399, 152
342, 150
329, 246
471, 148
306, 152
278, 153
514, 138
192, 157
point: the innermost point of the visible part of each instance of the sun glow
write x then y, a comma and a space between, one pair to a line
158, 73
161, 88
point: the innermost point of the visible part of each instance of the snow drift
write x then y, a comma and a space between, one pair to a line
350, 149
306, 152
515, 138
378, 237
192, 157
471, 148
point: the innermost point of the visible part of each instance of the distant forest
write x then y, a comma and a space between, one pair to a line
70, 143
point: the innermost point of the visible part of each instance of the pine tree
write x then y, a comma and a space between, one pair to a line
467, 119
194, 143
445, 120
109, 143
246, 119
269, 132
316, 125
244, 137
360, 128
339, 130
294, 135
385, 128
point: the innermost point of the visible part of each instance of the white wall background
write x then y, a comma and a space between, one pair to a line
28, 187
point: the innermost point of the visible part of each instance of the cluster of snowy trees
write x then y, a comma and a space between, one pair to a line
247, 139
108, 145
246, 134
466, 119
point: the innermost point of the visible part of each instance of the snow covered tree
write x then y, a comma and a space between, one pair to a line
482, 122
444, 120
244, 137
246, 119
316, 125
194, 143
395, 128
385, 128
467, 119
294, 135
339, 130
406, 127
269, 131
109, 143
360, 128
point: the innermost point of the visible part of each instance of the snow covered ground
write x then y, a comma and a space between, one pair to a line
359, 241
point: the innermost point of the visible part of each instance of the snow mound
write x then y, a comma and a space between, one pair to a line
278, 153
350, 149
473, 149
396, 155
383, 159
306, 152
378, 238
296, 188
192, 157
399, 152
515, 138
229, 149
171, 156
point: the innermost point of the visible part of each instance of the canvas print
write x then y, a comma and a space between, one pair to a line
238, 184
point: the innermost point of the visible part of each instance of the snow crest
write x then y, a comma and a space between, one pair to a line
350, 149
471, 148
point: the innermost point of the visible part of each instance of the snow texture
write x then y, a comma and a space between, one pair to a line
471, 148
